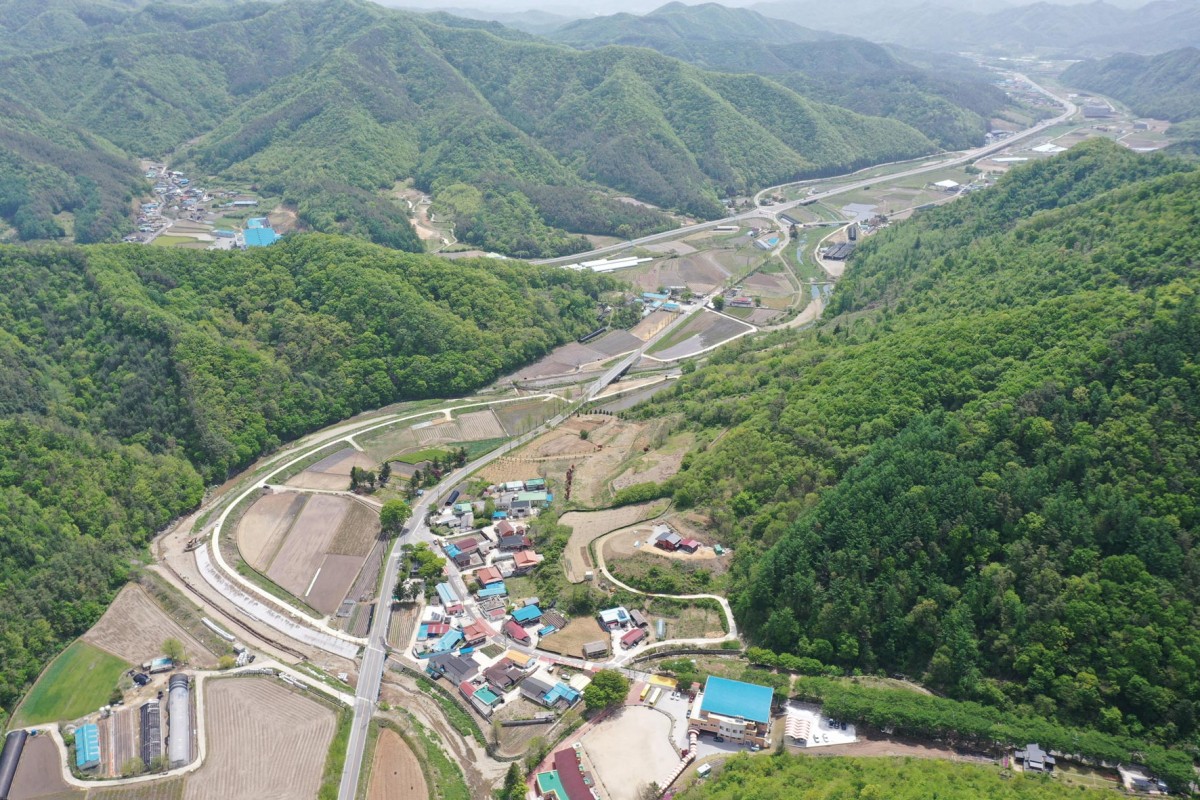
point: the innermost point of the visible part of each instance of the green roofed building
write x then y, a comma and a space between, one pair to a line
535, 484
740, 712
87, 747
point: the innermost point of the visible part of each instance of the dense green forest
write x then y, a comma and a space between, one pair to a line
782, 777
981, 470
330, 104
130, 376
951, 107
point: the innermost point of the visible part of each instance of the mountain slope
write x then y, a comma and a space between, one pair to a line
332, 103
130, 376
981, 470
852, 73
1165, 86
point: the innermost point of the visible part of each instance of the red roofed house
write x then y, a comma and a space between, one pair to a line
488, 576
507, 527
525, 560
515, 632
631, 638
435, 629
689, 545
478, 631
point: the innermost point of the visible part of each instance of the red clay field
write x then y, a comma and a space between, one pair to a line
266, 742
395, 772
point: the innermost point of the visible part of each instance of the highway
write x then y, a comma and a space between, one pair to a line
953, 161
375, 654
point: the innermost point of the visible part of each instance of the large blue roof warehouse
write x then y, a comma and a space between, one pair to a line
736, 699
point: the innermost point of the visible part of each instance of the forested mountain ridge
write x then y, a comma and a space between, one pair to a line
953, 110
1165, 86
130, 376
982, 469
330, 104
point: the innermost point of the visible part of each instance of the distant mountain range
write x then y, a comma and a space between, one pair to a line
1085, 29
1165, 86
951, 105
328, 104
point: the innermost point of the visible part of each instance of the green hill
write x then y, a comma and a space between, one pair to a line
982, 468
330, 104
950, 106
1165, 86
130, 376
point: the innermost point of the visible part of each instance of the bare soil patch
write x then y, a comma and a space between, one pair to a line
649, 327
358, 532
479, 425
333, 472
266, 743
39, 772
631, 748
171, 789
571, 639
761, 283
265, 524
657, 465
307, 542
586, 526
134, 628
704, 330
615, 343
395, 772
334, 580
563, 360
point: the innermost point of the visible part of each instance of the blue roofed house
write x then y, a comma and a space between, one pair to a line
526, 615
740, 712
258, 222
87, 747
260, 237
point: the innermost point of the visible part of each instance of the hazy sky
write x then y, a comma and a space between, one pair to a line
577, 8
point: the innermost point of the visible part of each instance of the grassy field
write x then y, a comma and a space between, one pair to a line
172, 241
428, 454
77, 682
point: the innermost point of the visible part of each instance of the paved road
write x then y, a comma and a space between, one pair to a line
964, 158
374, 659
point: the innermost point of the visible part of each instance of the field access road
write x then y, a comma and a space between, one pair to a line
964, 157
374, 658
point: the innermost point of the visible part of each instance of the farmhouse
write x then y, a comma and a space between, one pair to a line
614, 618
515, 632
740, 712
477, 632
1035, 759
632, 638
527, 615
503, 675
488, 575
595, 649
515, 542
557, 696
525, 560
689, 545
666, 539
455, 667
432, 630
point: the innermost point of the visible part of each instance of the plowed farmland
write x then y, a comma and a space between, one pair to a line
134, 628
265, 524
396, 773
266, 742
333, 472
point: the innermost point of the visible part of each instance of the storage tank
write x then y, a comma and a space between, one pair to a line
179, 720
14, 743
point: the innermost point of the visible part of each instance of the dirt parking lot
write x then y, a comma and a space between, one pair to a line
134, 628
631, 749
267, 742
395, 772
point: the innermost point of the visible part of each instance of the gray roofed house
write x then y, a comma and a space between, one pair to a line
595, 649
454, 667
638, 618
535, 690
1035, 758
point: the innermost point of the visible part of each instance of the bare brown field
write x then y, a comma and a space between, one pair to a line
358, 532
761, 283
265, 524
39, 772
304, 548
479, 425
266, 743
402, 625
614, 343
522, 415
586, 526
571, 639
700, 272
333, 471
170, 789
395, 773
651, 325
337, 573
561, 360
134, 628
